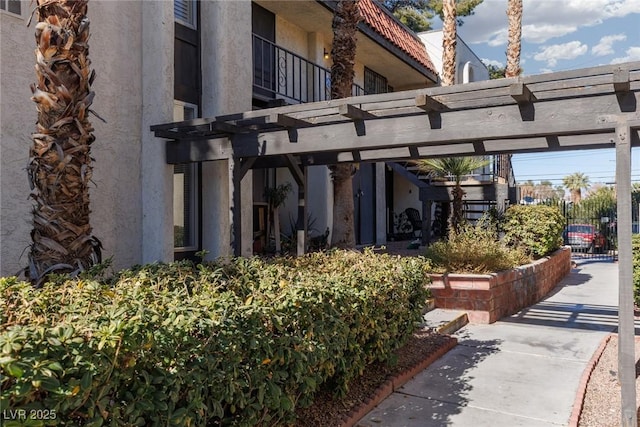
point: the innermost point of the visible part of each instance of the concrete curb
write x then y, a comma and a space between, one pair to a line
394, 384
453, 325
584, 381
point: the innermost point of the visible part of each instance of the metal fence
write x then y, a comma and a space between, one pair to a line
591, 228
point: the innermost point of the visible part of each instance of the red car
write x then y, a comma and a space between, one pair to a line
584, 237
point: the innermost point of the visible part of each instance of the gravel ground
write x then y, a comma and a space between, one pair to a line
602, 399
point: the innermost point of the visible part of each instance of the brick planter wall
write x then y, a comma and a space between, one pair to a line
488, 297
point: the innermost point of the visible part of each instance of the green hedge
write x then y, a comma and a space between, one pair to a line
537, 229
176, 344
635, 242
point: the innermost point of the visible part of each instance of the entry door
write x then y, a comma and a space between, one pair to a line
364, 203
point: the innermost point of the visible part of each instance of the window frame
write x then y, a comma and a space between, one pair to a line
5, 9
194, 183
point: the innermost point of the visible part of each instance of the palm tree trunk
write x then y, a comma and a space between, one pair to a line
449, 36
343, 53
514, 12
457, 216
59, 160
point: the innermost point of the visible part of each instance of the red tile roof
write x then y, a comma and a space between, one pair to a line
383, 23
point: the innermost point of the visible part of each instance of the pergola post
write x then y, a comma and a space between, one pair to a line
626, 333
301, 224
240, 208
426, 222
300, 176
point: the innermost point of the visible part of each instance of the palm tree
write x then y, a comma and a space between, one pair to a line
514, 12
59, 168
449, 36
343, 53
575, 183
455, 167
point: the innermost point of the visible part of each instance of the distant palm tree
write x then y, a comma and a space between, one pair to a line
59, 166
343, 53
449, 37
575, 183
514, 12
456, 168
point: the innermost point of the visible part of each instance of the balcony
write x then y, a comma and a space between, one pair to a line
279, 73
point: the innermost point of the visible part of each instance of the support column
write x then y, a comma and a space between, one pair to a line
381, 203
626, 332
157, 107
301, 224
226, 88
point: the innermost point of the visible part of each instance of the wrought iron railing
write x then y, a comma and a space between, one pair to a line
278, 72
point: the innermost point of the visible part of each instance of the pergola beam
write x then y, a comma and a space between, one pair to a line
565, 117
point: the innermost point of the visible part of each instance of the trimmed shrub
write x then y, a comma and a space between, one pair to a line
475, 249
635, 242
537, 229
242, 343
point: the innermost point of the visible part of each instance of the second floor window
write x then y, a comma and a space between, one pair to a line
374, 82
185, 12
12, 6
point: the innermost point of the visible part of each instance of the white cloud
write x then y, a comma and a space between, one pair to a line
493, 62
542, 20
633, 54
605, 47
551, 54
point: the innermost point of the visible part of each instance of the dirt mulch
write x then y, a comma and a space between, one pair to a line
601, 405
378, 381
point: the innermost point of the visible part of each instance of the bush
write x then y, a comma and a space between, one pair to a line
475, 249
537, 229
635, 242
242, 343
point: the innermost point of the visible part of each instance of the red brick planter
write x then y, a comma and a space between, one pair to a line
488, 297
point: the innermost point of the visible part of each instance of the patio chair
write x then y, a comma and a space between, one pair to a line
416, 221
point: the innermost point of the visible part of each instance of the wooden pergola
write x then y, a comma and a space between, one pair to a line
570, 110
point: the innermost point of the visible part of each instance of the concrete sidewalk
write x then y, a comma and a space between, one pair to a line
521, 371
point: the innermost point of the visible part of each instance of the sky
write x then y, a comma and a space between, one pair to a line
561, 35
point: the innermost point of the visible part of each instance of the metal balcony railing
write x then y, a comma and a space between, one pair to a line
280, 73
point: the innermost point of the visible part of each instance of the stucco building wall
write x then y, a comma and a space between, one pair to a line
17, 119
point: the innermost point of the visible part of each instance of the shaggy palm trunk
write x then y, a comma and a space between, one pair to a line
457, 213
343, 53
576, 195
59, 160
514, 12
449, 43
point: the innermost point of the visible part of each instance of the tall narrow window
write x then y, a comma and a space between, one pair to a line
185, 192
185, 12
12, 6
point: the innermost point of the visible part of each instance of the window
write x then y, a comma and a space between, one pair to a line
12, 6
185, 12
374, 82
185, 192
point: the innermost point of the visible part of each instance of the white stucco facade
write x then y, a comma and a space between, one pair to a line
132, 49
469, 68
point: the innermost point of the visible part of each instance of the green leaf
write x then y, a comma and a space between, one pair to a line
55, 366
50, 384
6, 359
86, 380
14, 370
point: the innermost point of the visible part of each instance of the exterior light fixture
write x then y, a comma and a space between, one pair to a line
326, 54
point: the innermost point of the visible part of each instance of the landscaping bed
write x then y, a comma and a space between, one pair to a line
376, 383
599, 399
245, 342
